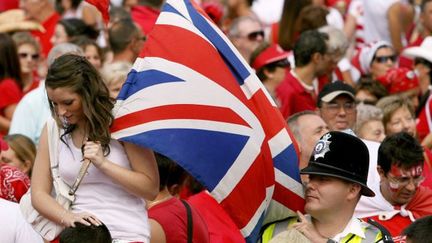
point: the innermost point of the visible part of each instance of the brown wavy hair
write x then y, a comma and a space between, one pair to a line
75, 72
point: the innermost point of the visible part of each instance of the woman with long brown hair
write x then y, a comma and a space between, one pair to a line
120, 175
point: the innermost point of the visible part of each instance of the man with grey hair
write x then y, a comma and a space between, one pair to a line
246, 33
307, 127
33, 110
337, 47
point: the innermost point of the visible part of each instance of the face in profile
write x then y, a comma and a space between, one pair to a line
59, 36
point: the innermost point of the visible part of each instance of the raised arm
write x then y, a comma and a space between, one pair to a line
142, 180
395, 26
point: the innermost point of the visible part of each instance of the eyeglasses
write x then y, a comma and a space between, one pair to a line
25, 55
335, 107
384, 59
399, 182
253, 36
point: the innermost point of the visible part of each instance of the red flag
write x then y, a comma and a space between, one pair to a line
102, 6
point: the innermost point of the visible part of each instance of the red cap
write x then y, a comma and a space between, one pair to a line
272, 54
214, 10
3, 145
398, 80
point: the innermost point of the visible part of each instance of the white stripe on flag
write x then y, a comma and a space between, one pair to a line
289, 183
261, 209
279, 142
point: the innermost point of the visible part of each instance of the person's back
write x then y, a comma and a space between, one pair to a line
172, 219
172, 215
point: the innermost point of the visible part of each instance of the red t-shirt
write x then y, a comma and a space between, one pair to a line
145, 17
293, 97
427, 170
423, 122
172, 216
395, 226
10, 94
419, 206
220, 226
45, 37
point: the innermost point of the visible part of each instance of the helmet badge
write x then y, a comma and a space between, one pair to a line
322, 147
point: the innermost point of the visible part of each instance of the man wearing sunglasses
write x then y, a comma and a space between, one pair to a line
246, 33
400, 199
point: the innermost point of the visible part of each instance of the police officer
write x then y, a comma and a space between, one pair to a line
338, 172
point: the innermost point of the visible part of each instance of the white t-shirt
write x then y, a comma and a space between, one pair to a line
13, 227
124, 214
268, 11
376, 25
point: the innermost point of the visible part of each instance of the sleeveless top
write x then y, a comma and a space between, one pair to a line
124, 214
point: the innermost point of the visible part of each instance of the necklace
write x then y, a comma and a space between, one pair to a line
156, 202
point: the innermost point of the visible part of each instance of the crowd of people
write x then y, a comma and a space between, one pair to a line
351, 77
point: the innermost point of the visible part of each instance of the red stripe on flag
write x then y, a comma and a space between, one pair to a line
192, 51
288, 198
250, 192
187, 111
271, 119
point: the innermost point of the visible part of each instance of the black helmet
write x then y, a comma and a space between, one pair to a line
341, 155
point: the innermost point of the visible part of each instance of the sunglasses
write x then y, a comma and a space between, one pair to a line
25, 55
253, 36
384, 59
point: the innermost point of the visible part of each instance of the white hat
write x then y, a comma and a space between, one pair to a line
423, 51
368, 52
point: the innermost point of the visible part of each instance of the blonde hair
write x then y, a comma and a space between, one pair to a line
390, 104
23, 147
115, 71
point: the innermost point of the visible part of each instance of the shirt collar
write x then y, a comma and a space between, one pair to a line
353, 227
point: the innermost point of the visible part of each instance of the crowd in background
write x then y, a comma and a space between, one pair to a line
362, 67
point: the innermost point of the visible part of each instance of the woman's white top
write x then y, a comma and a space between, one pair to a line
123, 213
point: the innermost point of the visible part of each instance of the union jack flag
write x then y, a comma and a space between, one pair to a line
192, 97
